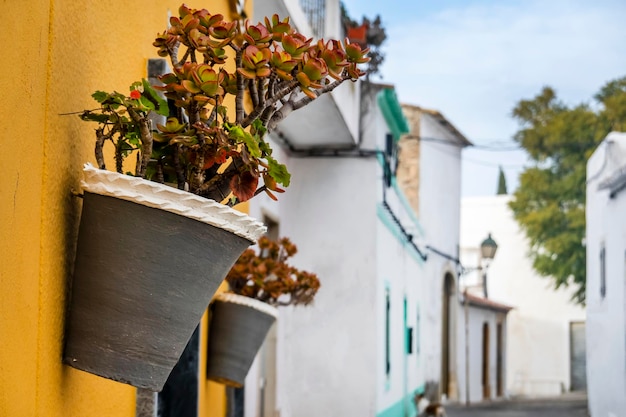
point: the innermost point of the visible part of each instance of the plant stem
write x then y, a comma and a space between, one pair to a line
100, 138
119, 159
240, 88
173, 53
267, 115
291, 106
180, 172
253, 93
159, 172
272, 86
292, 85
261, 91
218, 187
146, 141
198, 176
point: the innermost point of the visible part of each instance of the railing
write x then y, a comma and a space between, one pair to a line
315, 11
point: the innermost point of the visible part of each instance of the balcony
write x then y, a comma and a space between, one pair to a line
332, 120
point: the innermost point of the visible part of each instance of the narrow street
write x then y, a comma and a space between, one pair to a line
569, 405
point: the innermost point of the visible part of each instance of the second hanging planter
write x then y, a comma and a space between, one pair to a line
237, 330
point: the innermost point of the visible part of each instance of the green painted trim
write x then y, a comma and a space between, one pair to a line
381, 158
405, 321
402, 197
382, 214
407, 206
397, 409
392, 112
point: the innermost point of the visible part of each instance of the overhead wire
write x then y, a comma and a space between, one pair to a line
470, 160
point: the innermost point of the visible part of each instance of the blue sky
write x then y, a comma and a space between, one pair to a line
473, 60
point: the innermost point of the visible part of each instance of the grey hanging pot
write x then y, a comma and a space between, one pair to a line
149, 259
237, 330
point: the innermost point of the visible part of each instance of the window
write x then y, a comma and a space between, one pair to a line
408, 332
273, 228
391, 159
603, 271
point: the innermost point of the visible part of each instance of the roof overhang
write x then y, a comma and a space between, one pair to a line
486, 303
445, 123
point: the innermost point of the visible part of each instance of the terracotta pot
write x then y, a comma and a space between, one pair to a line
237, 330
149, 260
358, 35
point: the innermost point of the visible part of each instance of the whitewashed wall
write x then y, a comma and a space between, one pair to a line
402, 275
538, 357
330, 214
606, 315
439, 214
477, 318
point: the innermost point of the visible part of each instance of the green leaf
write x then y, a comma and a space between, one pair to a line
258, 127
100, 96
133, 138
94, 117
265, 147
278, 171
145, 103
239, 134
160, 104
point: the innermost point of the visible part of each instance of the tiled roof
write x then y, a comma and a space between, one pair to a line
477, 301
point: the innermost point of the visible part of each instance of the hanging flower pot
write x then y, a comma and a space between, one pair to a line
241, 319
238, 328
149, 260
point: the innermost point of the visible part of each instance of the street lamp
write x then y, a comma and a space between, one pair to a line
488, 249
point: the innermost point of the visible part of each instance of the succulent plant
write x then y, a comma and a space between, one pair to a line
269, 69
265, 275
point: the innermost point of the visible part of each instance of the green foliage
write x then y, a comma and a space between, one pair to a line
502, 183
549, 204
279, 172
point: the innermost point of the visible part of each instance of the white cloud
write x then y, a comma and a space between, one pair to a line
474, 62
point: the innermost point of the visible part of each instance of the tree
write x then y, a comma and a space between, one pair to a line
502, 183
549, 204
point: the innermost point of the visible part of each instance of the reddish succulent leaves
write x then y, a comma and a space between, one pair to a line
268, 277
244, 185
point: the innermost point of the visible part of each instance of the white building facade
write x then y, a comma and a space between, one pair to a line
544, 327
374, 335
356, 350
606, 282
430, 175
485, 327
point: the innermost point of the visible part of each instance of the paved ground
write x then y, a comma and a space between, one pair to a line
569, 405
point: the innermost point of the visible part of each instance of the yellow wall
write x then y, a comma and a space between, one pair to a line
60, 52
